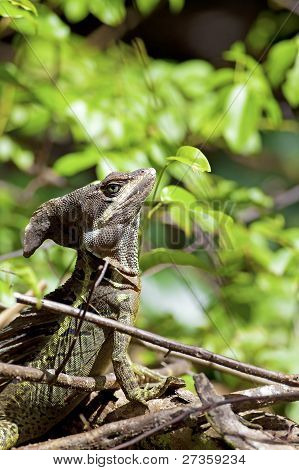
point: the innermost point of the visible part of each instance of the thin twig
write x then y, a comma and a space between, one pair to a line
203, 363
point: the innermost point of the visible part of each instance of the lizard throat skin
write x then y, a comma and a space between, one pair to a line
100, 221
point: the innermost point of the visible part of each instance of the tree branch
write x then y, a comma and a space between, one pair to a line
124, 433
171, 345
86, 384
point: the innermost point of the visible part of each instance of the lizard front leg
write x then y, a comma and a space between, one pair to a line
126, 372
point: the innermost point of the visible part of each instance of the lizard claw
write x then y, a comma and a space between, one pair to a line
174, 383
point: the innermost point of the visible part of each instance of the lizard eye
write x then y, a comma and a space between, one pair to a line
112, 189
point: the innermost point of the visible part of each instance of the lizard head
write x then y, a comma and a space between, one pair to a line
93, 215
114, 214
123, 194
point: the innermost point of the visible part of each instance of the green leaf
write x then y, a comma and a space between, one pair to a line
73, 163
292, 411
280, 261
8, 10
170, 194
76, 10
147, 6
291, 86
254, 195
180, 200
9, 73
158, 256
180, 215
193, 77
172, 125
25, 4
192, 157
111, 12
212, 221
50, 26
241, 121
176, 5
280, 58
29, 278
23, 158
47, 25
11, 150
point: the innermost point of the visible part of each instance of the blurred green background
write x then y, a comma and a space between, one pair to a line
89, 86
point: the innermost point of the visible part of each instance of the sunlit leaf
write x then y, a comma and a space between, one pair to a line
280, 58
75, 162
177, 194
76, 10
252, 194
25, 4
280, 261
291, 85
192, 157
147, 6
11, 150
241, 120
214, 222
192, 77
10, 9
111, 12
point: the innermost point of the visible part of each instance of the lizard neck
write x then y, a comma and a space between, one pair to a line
124, 255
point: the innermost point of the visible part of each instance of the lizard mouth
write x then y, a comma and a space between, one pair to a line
146, 178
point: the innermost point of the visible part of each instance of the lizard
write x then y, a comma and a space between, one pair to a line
101, 222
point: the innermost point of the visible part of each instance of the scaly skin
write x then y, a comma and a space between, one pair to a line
106, 228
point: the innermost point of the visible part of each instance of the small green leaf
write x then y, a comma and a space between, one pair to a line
180, 200
76, 10
241, 122
11, 150
50, 25
25, 4
280, 58
47, 25
158, 256
280, 261
180, 215
212, 221
147, 6
254, 195
75, 162
192, 157
193, 77
176, 194
291, 86
8, 10
111, 12
189, 383
176, 5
